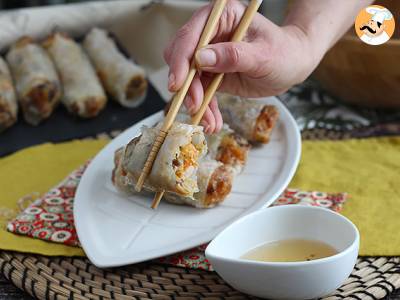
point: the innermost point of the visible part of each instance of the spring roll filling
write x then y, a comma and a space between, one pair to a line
233, 150
265, 123
219, 186
42, 97
136, 87
185, 165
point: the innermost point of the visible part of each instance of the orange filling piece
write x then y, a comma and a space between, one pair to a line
233, 150
219, 186
265, 123
187, 158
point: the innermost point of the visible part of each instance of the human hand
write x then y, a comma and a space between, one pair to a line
268, 61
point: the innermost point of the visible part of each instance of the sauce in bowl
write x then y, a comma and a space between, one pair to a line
291, 250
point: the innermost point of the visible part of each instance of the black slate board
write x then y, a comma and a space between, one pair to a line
62, 126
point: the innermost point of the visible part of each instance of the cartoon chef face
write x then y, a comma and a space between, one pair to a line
373, 28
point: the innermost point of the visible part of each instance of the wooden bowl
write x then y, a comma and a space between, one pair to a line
362, 74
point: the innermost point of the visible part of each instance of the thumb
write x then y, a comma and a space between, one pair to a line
230, 57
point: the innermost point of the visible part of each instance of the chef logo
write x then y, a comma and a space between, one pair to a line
374, 25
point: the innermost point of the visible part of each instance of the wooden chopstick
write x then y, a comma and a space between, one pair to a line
205, 38
212, 88
237, 37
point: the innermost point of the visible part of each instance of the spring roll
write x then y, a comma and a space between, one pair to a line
83, 94
36, 82
214, 180
229, 148
124, 80
251, 119
176, 164
8, 100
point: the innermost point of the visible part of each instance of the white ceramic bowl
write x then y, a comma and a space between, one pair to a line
286, 280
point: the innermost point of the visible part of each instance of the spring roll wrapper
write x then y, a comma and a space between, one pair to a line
251, 119
124, 80
120, 177
8, 100
36, 81
210, 176
83, 94
162, 175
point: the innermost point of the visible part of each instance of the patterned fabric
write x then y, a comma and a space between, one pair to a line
51, 218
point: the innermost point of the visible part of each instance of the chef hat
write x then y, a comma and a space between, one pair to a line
379, 14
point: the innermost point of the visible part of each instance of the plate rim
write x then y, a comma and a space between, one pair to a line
287, 173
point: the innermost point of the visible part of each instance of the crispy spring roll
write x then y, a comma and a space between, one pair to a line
229, 148
251, 119
124, 80
8, 101
36, 82
175, 167
83, 94
214, 180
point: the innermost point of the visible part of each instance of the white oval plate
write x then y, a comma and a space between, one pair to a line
117, 230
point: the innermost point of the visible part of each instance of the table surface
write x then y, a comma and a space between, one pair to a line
8, 291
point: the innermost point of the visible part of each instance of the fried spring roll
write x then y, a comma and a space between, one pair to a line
215, 183
36, 82
124, 80
213, 178
8, 101
229, 148
251, 119
175, 167
83, 94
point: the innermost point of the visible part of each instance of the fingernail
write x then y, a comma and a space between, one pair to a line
206, 58
205, 126
171, 81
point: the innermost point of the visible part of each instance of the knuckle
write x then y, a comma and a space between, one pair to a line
233, 54
183, 32
214, 105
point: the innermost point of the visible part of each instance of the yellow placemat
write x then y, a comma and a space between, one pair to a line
37, 169
369, 170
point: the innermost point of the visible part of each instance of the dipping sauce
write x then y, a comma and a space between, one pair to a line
290, 251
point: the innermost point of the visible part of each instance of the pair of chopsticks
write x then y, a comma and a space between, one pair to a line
177, 101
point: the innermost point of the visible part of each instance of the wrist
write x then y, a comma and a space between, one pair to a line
309, 51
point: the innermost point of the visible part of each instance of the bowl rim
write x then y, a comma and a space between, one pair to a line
354, 244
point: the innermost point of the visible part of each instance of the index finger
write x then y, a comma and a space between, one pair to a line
181, 50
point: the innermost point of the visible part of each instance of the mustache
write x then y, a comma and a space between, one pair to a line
368, 28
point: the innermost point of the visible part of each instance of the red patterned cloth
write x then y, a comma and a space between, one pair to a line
51, 218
